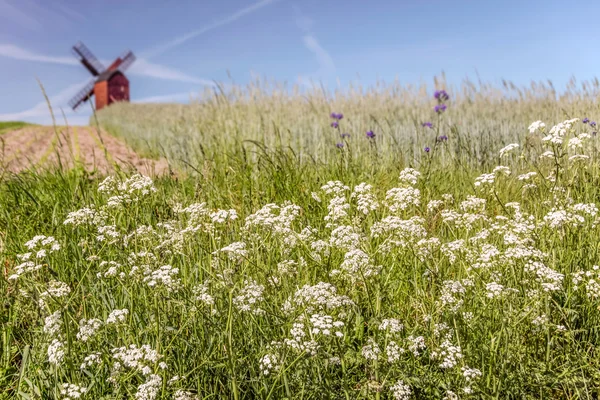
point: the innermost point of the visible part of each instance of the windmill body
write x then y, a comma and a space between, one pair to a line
109, 85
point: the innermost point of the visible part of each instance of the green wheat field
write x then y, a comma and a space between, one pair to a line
353, 244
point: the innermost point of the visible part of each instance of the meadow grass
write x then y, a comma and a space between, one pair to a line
480, 119
277, 265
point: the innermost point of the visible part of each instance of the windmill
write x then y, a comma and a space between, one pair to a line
109, 85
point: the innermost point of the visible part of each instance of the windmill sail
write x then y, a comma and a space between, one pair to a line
83, 54
82, 95
127, 60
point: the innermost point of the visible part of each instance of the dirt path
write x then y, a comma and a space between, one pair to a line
40, 147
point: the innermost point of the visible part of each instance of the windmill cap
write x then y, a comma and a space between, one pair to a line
106, 75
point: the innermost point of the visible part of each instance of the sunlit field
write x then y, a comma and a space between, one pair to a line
404, 242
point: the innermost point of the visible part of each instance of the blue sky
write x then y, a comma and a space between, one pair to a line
184, 45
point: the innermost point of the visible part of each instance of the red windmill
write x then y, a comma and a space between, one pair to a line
109, 85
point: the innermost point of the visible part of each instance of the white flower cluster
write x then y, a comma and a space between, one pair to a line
235, 251
184, 395
137, 358
88, 328
357, 265
276, 220
40, 247
56, 352
409, 176
117, 316
71, 391
371, 350
166, 276
393, 352
508, 149
346, 237
149, 390
336, 188
338, 209
471, 373
449, 353
325, 325
54, 290
320, 297
268, 363
559, 131
222, 216
251, 295
53, 323
365, 199
89, 360
399, 232
391, 325
451, 293
402, 198
400, 391
130, 190
588, 280
300, 340
201, 294
416, 345
86, 216
536, 126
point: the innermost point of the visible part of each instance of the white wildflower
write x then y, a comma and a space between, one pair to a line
400, 391
508, 149
56, 352
117, 316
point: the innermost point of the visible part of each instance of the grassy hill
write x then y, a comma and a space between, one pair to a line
6, 126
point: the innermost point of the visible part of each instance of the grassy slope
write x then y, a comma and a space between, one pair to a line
6, 126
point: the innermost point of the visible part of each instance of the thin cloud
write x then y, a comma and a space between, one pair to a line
322, 56
69, 12
160, 49
141, 67
326, 64
41, 113
36, 15
11, 13
19, 53
167, 98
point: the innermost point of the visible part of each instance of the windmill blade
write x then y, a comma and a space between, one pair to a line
127, 60
85, 93
85, 56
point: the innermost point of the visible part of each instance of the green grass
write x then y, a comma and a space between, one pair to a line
496, 279
7, 126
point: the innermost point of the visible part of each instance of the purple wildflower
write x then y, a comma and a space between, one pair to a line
345, 135
442, 138
427, 124
370, 135
592, 123
441, 95
336, 116
340, 116
427, 149
440, 108
335, 124
340, 145
586, 120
